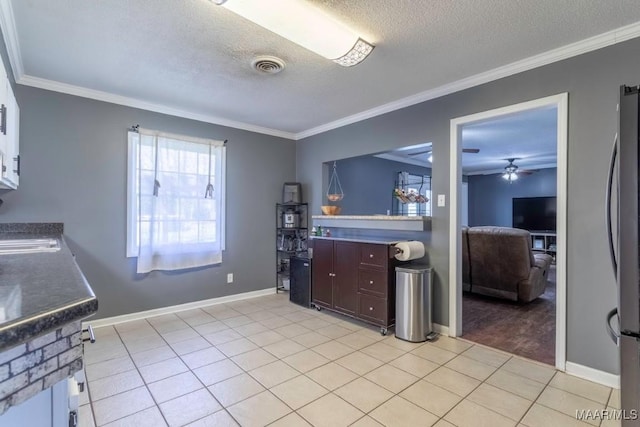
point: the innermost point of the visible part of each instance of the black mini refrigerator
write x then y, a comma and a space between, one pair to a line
300, 285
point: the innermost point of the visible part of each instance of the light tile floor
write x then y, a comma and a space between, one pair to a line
265, 361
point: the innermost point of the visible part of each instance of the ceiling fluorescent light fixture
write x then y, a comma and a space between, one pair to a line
306, 25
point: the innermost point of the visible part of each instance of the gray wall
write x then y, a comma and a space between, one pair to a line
490, 196
368, 183
592, 81
74, 159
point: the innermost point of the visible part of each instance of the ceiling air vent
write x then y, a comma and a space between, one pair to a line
268, 64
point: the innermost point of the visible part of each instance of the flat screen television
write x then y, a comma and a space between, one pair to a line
534, 213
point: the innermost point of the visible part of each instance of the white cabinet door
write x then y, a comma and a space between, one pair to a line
10, 136
13, 137
4, 101
34, 412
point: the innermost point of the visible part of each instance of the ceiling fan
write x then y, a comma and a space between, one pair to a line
511, 171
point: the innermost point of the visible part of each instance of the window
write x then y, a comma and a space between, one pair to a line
170, 223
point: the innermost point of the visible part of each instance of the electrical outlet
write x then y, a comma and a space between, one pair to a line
230, 278
441, 200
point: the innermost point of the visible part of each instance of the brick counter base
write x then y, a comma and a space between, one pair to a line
29, 368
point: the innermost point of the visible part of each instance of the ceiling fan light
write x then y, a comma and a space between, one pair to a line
305, 25
510, 176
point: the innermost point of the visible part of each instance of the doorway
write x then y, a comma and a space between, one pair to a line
560, 102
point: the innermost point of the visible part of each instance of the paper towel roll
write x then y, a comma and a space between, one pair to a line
407, 251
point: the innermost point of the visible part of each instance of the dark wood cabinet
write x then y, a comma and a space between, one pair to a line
322, 273
356, 279
376, 284
345, 277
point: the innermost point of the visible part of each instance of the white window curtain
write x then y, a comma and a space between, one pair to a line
176, 226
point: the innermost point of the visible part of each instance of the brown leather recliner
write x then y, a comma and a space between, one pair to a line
502, 264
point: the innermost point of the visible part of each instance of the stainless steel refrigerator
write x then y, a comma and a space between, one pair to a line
623, 186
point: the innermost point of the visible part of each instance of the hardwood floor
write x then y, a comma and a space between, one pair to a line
525, 329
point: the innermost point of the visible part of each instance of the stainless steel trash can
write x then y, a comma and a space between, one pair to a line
413, 303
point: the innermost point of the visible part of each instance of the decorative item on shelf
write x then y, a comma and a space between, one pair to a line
409, 197
334, 191
291, 192
401, 195
330, 210
291, 219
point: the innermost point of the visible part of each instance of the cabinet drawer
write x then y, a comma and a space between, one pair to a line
372, 308
373, 282
374, 255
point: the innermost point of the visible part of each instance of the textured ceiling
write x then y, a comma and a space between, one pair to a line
195, 56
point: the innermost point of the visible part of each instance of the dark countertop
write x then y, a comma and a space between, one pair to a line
40, 292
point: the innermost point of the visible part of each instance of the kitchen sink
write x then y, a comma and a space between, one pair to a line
27, 246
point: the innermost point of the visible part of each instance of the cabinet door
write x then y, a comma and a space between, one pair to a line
322, 273
345, 281
9, 138
12, 137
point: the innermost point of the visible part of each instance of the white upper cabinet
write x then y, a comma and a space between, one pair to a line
9, 136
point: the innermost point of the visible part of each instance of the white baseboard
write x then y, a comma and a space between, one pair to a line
595, 375
441, 329
109, 321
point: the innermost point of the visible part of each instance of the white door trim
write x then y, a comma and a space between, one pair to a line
561, 101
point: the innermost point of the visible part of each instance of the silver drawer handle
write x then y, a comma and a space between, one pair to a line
371, 282
370, 308
92, 336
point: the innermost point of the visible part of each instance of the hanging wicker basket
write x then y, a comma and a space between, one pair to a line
334, 191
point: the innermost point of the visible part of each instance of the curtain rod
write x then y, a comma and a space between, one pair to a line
136, 129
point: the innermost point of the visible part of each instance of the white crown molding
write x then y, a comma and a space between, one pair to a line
594, 375
10, 35
568, 51
144, 105
110, 321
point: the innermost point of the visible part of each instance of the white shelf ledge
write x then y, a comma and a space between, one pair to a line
374, 222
